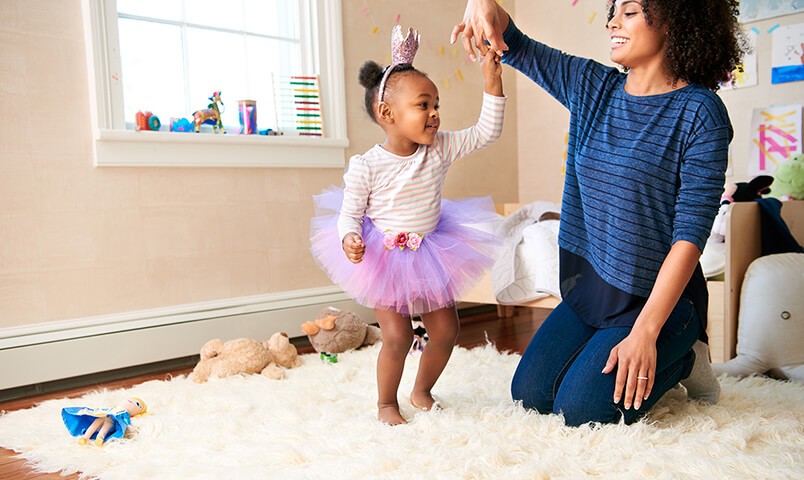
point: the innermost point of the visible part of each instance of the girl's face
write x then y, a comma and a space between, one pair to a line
634, 43
414, 106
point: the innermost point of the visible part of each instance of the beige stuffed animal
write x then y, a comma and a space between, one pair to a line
246, 356
336, 331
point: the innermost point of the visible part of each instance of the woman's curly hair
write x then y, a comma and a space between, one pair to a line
705, 42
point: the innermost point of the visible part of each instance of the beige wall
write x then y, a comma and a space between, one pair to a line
542, 122
77, 241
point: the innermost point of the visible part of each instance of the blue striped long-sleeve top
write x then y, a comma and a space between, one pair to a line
642, 172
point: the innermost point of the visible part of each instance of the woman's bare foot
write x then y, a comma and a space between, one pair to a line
423, 401
390, 414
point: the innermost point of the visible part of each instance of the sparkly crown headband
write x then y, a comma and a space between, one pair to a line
402, 52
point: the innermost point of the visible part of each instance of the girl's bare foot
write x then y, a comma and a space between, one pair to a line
423, 401
390, 414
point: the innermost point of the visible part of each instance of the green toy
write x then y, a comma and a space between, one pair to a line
788, 179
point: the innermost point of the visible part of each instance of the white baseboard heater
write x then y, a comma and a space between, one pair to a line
51, 351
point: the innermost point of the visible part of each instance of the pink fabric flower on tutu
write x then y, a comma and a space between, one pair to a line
414, 241
401, 240
411, 240
389, 240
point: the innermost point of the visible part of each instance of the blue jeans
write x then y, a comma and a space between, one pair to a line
560, 372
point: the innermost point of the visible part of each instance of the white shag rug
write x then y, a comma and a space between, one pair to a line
319, 422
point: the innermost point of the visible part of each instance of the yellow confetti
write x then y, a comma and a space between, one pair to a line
591, 17
441, 50
460, 75
446, 83
375, 30
454, 52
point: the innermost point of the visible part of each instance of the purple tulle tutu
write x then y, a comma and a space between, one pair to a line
450, 260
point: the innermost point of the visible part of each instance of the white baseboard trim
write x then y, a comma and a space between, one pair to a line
64, 349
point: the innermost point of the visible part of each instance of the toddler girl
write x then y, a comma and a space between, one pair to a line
389, 239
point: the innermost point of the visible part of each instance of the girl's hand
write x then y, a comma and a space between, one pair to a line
635, 359
353, 247
482, 20
492, 71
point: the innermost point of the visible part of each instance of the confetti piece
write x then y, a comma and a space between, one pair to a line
454, 52
441, 50
364, 10
375, 30
460, 75
574, 2
591, 17
398, 16
755, 30
446, 83
770, 30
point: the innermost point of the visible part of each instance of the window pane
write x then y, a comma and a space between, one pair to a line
268, 58
278, 18
214, 13
152, 69
162, 9
217, 62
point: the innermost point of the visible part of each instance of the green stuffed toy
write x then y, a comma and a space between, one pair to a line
788, 183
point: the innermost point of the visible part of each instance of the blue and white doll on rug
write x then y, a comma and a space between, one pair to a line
101, 423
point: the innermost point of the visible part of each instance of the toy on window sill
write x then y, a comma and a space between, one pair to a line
210, 115
147, 121
271, 132
101, 423
180, 125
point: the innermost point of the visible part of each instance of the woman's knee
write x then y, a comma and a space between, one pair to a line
531, 393
579, 411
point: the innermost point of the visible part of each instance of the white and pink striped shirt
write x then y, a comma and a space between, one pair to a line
403, 194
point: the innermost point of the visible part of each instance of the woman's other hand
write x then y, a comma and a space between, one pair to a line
482, 20
635, 359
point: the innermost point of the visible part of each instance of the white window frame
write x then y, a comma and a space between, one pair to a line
114, 145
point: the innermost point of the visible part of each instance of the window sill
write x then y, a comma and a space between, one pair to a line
126, 148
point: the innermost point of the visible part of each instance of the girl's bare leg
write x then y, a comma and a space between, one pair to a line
442, 328
397, 336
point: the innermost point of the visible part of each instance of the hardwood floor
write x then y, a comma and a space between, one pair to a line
477, 325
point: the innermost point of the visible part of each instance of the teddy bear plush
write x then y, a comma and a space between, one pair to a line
246, 356
336, 331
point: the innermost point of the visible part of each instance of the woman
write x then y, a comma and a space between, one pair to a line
646, 165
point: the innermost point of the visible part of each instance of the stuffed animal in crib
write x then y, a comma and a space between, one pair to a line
770, 331
336, 331
246, 356
788, 179
713, 259
101, 423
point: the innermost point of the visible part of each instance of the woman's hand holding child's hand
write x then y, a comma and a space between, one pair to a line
353, 247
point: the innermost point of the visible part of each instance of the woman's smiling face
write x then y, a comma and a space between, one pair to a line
634, 43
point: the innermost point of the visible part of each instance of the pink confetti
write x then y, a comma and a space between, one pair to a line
364, 10
398, 16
